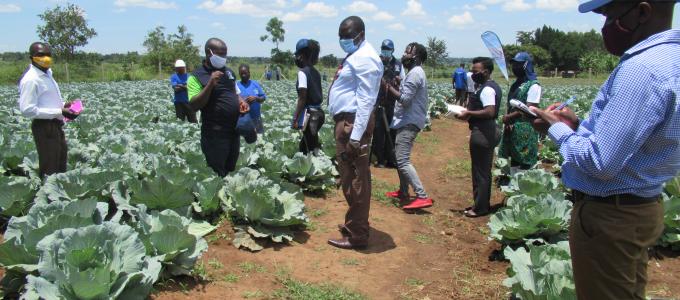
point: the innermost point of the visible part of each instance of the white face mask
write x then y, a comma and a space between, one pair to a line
218, 62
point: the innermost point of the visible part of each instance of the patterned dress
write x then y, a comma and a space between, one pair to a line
520, 140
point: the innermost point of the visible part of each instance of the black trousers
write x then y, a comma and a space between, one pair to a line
221, 150
310, 136
382, 147
482, 143
184, 112
50, 142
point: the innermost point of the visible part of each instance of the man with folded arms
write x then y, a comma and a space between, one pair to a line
617, 160
40, 99
352, 97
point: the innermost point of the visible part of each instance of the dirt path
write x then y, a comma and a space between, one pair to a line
438, 254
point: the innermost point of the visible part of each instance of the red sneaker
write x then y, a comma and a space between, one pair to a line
419, 203
395, 194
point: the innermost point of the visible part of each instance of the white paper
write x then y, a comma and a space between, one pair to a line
454, 111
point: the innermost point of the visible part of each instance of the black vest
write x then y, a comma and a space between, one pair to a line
476, 104
222, 110
314, 92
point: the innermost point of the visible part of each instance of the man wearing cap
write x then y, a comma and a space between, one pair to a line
178, 81
618, 158
352, 97
383, 136
212, 89
40, 99
520, 140
459, 81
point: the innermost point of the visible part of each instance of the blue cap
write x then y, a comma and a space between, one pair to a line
246, 128
387, 44
301, 44
595, 4
522, 57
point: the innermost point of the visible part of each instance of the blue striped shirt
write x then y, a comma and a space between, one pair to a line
630, 143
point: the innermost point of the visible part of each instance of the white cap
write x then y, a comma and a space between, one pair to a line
180, 64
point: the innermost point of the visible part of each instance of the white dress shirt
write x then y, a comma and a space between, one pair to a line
356, 88
39, 95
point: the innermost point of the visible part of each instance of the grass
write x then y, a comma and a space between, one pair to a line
316, 213
215, 264
378, 190
231, 278
298, 290
253, 294
413, 282
430, 143
200, 271
250, 267
350, 261
423, 238
455, 168
214, 238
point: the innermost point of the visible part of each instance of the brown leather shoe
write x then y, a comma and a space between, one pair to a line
343, 230
344, 243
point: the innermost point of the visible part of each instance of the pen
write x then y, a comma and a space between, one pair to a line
563, 105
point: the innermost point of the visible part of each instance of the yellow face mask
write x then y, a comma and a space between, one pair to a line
43, 61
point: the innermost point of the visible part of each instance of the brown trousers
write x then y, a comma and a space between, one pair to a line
355, 176
51, 145
609, 248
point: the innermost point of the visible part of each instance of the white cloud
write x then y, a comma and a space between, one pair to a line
474, 7
240, 7
383, 16
9, 8
557, 5
413, 9
516, 5
361, 7
397, 27
153, 4
218, 25
462, 20
311, 10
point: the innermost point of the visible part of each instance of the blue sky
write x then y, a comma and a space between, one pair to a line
123, 24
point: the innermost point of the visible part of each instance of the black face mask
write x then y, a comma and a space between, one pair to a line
299, 63
479, 78
408, 62
519, 71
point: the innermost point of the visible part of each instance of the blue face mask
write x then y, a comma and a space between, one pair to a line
386, 53
348, 45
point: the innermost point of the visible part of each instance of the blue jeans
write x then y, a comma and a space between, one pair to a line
406, 136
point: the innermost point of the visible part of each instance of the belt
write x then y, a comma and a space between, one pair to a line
343, 116
622, 199
43, 121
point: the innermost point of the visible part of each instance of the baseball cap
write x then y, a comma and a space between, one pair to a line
180, 64
387, 44
589, 6
522, 57
301, 44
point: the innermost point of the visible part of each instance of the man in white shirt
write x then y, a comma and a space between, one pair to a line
352, 97
40, 100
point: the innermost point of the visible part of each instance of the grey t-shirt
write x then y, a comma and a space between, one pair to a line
411, 108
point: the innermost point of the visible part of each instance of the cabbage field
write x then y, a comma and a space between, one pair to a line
138, 199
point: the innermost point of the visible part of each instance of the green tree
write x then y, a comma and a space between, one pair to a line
525, 37
276, 32
157, 47
542, 58
163, 49
65, 29
436, 53
329, 61
598, 61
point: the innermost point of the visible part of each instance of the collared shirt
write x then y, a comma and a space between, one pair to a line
253, 88
411, 108
356, 88
630, 143
39, 95
175, 79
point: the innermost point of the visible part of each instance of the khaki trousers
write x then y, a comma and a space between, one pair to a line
609, 245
